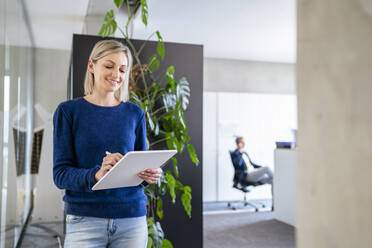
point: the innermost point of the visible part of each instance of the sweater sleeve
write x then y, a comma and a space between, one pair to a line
141, 138
141, 135
66, 174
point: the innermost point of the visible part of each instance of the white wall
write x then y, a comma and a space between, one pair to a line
209, 146
50, 79
229, 75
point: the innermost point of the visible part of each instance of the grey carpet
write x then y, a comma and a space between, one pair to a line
43, 235
248, 230
38, 235
228, 230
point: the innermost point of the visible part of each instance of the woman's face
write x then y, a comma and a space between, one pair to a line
109, 71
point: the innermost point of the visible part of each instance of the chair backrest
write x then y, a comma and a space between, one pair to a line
232, 159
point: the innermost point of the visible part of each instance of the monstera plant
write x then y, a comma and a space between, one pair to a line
164, 100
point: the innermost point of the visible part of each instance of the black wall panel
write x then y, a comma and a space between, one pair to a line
188, 61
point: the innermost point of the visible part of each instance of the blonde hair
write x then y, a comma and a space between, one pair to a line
100, 50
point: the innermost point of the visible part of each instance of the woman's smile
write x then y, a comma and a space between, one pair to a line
112, 82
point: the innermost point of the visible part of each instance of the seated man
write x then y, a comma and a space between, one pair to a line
246, 171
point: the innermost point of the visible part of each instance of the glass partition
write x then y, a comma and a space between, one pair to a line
16, 116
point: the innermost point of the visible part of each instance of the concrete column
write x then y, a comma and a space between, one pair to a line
334, 84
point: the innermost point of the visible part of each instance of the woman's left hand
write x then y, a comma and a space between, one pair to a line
151, 175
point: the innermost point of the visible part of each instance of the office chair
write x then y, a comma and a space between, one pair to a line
245, 190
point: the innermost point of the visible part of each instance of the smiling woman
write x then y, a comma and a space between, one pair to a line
86, 127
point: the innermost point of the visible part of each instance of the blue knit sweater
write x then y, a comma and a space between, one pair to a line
82, 133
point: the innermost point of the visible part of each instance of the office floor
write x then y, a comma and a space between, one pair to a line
48, 234
223, 227
39, 235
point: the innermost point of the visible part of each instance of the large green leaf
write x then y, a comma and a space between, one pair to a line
161, 49
150, 221
166, 244
169, 101
118, 3
144, 11
169, 73
158, 235
149, 191
169, 140
163, 186
172, 142
175, 167
157, 128
192, 154
180, 118
153, 62
150, 121
186, 200
136, 99
155, 89
171, 185
149, 242
183, 92
170, 70
179, 187
155, 232
159, 208
110, 25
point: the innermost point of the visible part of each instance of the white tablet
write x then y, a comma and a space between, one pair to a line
124, 173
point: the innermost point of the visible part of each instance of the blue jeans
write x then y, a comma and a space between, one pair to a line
92, 232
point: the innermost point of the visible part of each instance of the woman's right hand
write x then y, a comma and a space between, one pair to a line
107, 163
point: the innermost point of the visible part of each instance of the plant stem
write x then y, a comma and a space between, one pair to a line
156, 111
158, 97
143, 45
152, 209
122, 32
129, 17
135, 53
158, 141
164, 114
136, 57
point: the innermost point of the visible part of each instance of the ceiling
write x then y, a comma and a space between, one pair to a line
262, 30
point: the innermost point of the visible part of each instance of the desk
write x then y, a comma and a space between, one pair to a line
285, 185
